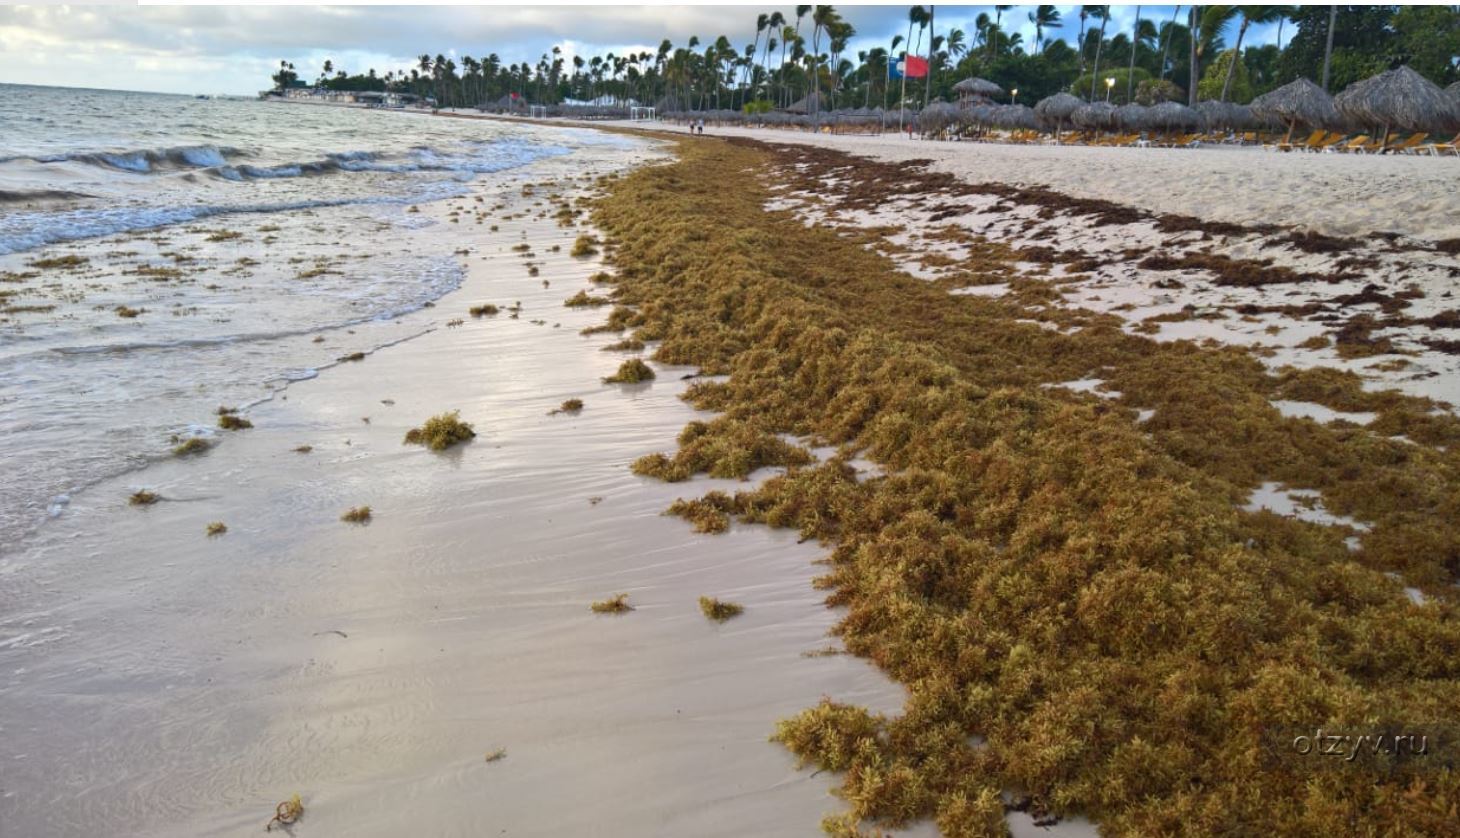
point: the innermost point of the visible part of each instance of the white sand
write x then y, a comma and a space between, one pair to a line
162, 683
1338, 194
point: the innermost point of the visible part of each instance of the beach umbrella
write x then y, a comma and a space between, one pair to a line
978, 87
1015, 116
1171, 116
1296, 102
1056, 109
1399, 98
1095, 116
1131, 117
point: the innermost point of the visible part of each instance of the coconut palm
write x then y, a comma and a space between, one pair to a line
1166, 40
1250, 15
998, 27
1135, 40
1103, 13
1328, 47
1043, 17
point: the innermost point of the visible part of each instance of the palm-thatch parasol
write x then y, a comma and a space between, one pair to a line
1056, 109
1172, 116
1096, 116
976, 88
1299, 101
1131, 117
1399, 98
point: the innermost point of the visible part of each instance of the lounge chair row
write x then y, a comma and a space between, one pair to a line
1336, 142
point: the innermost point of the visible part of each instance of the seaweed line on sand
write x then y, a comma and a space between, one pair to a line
1081, 591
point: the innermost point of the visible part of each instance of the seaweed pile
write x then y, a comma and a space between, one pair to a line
1086, 619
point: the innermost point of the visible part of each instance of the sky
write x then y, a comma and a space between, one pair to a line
232, 49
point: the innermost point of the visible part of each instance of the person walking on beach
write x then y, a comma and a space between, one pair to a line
701, 125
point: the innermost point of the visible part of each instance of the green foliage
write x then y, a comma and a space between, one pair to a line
1215, 75
1081, 85
440, 432
1154, 91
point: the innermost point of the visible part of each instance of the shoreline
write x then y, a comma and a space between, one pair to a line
363, 666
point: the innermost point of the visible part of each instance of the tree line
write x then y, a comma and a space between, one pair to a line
1193, 53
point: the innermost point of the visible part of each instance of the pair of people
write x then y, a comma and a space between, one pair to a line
697, 127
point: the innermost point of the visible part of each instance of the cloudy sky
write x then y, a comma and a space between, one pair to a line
233, 49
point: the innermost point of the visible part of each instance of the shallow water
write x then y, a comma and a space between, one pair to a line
241, 231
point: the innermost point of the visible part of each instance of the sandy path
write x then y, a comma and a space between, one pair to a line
189, 684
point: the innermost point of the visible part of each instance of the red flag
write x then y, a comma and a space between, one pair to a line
914, 67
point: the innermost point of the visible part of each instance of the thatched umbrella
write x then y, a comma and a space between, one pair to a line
1295, 102
1056, 109
1096, 116
976, 89
1399, 98
1172, 116
1131, 117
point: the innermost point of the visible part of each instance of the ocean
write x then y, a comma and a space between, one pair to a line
163, 256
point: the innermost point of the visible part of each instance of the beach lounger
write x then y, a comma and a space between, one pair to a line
1355, 144
1404, 147
1313, 138
1436, 149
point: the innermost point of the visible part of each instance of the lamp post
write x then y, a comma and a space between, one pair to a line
1015, 94
1109, 84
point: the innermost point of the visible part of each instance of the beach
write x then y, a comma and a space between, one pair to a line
1011, 454
164, 682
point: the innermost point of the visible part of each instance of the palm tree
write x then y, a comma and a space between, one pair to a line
1080, 41
887, 70
998, 27
1250, 15
788, 35
1166, 41
1043, 17
928, 81
914, 15
1135, 40
957, 44
1102, 12
800, 13
773, 26
1328, 48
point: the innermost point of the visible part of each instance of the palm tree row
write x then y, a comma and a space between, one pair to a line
802, 61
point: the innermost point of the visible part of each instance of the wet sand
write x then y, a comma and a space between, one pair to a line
162, 682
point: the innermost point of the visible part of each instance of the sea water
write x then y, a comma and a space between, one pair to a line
242, 231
